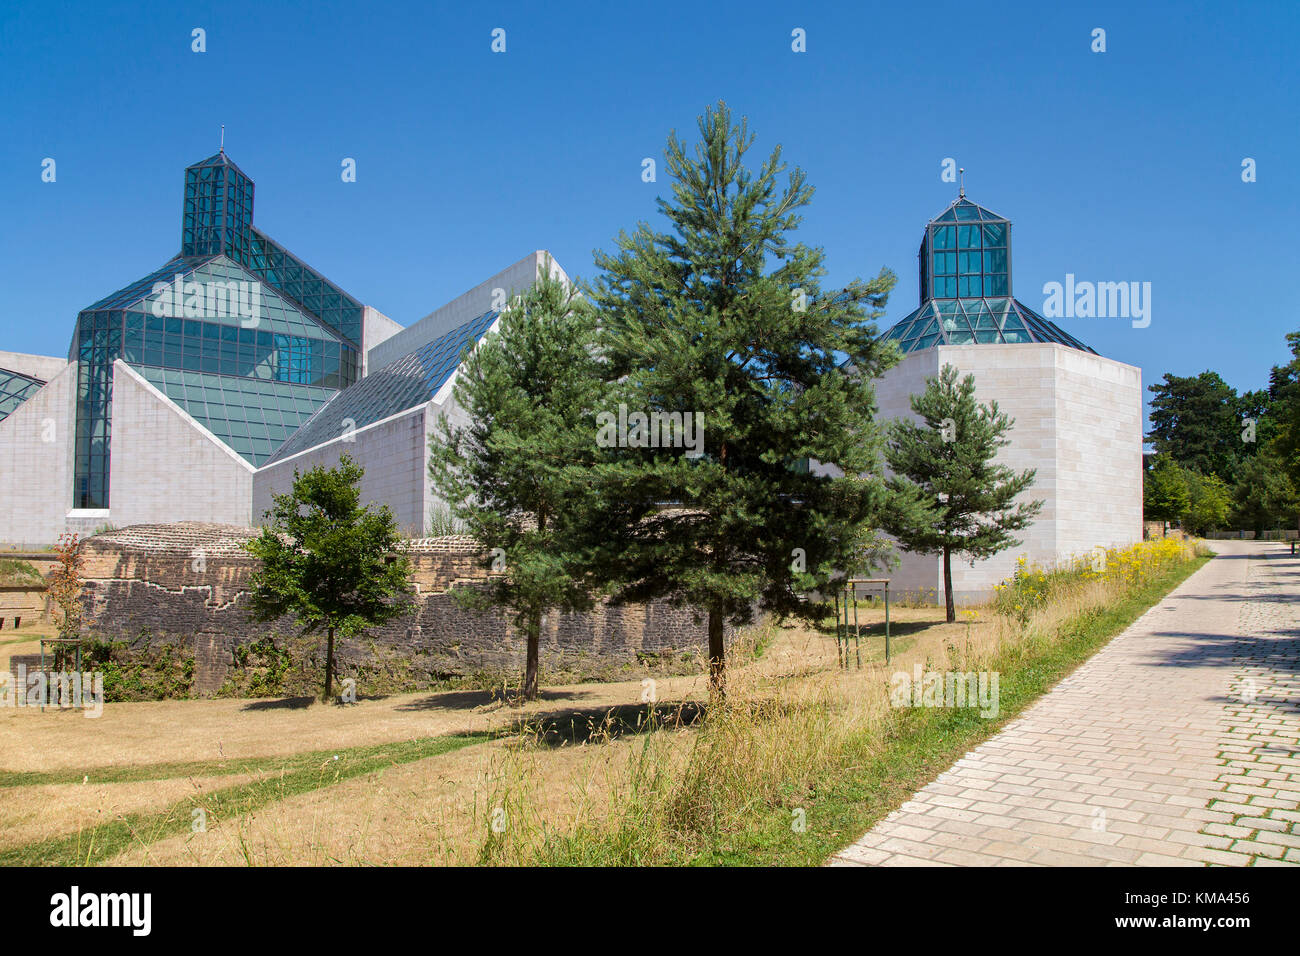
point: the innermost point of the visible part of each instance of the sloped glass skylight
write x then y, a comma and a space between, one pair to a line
15, 389
411, 381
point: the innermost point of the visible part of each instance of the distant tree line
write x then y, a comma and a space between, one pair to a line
1223, 459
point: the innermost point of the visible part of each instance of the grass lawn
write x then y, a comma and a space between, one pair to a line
589, 775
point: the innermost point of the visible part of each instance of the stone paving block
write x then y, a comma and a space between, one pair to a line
1153, 736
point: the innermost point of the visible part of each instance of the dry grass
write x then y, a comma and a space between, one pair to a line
184, 730
559, 772
578, 781
44, 811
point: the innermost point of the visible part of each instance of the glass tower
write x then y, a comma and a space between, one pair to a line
966, 298
236, 330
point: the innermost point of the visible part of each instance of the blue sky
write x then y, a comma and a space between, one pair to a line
1115, 166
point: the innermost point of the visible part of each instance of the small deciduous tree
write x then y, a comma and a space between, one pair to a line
1166, 491
948, 457
1210, 504
64, 585
331, 563
529, 390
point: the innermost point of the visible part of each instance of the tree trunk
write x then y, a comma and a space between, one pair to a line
949, 606
717, 659
329, 666
530, 667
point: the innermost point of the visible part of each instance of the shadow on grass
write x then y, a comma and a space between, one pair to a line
282, 703
877, 629
574, 727
470, 699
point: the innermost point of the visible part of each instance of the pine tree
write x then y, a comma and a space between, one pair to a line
529, 390
949, 456
723, 321
327, 561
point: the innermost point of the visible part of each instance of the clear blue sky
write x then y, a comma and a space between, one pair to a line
1117, 166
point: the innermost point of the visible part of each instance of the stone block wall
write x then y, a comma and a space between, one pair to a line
186, 584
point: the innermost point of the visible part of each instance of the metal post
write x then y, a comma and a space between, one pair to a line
887, 647
837, 629
857, 630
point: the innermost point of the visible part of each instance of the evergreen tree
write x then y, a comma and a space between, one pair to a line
327, 561
1284, 392
949, 456
722, 321
529, 391
1197, 421
1264, 496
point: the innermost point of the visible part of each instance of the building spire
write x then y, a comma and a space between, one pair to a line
223, 139
961, 192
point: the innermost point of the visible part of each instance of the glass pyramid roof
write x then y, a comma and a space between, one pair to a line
15, 389
411, 381
972, 321
963, 210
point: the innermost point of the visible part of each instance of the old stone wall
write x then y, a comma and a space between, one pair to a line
186, 584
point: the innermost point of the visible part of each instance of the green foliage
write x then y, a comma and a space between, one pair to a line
1264, 495
530, 390
148, 672
327, 561
443, 523
946, 461
723, 319
1166, 491
1197, 421
1210, 503
20, 573
1284, 391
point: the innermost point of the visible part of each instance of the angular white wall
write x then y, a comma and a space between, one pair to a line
484, 297
1078, 423
36, 464
392, 452
165, 466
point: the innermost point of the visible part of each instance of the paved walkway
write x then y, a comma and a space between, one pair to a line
1177, 744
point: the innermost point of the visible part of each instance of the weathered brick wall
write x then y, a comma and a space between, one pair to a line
186, 583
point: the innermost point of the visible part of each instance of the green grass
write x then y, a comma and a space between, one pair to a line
922, 743
882, 769
285, 777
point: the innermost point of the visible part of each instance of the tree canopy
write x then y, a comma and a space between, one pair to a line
722, 320
327, 561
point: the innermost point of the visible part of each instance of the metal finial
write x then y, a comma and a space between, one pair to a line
223, 137
961, 193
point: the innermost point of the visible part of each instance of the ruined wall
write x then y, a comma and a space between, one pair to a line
186, 584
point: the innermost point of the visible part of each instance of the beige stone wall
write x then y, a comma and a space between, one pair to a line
391, 451
36, 464
165, 466
1078, 423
